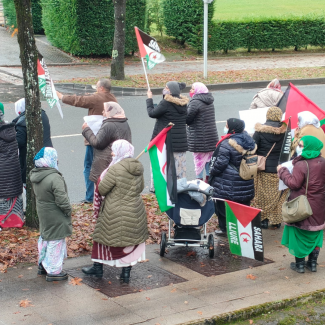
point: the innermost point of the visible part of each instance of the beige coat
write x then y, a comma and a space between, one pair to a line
308, 130
266, 98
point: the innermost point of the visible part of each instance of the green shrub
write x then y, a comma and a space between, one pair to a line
10, 15
83, 27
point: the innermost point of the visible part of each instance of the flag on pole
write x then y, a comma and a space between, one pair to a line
46, 84
286, 145
149, 48
294, 101
163, 169
244, 230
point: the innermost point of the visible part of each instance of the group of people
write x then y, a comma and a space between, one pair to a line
114, 179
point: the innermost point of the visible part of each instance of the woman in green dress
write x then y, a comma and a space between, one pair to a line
306, 237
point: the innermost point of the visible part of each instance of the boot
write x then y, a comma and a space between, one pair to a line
265, 224
41, 270
311, 264
299, 266
125, 275
207, 179
57, 277
96, 269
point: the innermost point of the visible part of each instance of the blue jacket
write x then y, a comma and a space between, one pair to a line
226, 181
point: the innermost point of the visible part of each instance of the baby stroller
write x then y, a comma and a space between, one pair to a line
194, 208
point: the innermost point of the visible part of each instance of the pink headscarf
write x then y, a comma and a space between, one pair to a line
275, 85
200, 88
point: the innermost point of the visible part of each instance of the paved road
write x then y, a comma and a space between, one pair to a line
68, 141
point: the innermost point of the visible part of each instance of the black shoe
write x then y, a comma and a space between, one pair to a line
96, 269
265, 224
41, 270
221, 233
56, 277
125, 275
311, 264
278, 225
299, 265
86, 202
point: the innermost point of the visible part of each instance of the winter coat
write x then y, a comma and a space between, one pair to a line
265, 136
308, 130
267, 97
112, 129
94, 103
315, 192
226, 181
122, 219
52, 203
11, 184
202, 134
21, 136
171, 109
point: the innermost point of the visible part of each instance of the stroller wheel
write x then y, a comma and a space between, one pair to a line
163, 244
211, 245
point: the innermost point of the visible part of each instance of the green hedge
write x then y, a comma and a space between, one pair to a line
10, 14
83, 27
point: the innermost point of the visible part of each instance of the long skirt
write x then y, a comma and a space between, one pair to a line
268, 197
118, 256
301, 242
51, 254
11, 212
201, 162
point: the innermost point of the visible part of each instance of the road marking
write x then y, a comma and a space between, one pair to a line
66, 136
221, 122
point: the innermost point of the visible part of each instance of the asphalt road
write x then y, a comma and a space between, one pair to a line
68, 141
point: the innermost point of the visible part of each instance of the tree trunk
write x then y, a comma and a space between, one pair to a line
28, 58
117, 65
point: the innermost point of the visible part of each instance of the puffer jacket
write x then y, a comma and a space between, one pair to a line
202, 134
52, 203
21, 136
122, 219
171, 109
11, 184
265, 136
297, 182
226, 181
111, 130
266, 97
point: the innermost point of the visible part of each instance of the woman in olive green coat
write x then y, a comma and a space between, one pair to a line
54, 213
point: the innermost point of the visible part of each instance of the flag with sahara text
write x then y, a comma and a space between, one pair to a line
244, 230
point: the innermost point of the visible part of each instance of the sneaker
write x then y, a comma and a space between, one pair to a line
56, 277
86, 202
221, 233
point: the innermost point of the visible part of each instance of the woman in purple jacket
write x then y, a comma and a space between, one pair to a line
306, 237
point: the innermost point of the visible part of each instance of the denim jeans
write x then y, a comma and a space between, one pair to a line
207, 173
87, 166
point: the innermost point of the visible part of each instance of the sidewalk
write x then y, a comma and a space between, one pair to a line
195, 299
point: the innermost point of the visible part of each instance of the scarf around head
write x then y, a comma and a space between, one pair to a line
46, 157
200, 88
113, 110
274, 114
308, 118
235, 125
275, 85
2, 111
20, 106
312, 147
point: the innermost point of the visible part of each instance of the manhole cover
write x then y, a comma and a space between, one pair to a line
144, 276
197, 259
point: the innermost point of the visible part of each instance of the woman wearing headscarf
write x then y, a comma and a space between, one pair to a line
308, 124
54, 214
21, 133
305, 238
121, 229
202, 134
115, 126
172, 108
11, 186
269, 138
224, 171
269, 96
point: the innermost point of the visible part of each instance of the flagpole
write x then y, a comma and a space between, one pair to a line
145, 72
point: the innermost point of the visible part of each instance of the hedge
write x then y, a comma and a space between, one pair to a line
10, 14
83, 27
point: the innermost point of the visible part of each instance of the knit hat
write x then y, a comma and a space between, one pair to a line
312, 147
274, 114
175, 87
2, 108
235, 125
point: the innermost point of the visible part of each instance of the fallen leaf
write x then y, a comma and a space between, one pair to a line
282, 268
104, 299
17, 312
25, 303
266, 291
200, 312
20, 276
191, 253
147, 298
174, 290
307, 319
250, 276
75, 281
149, 276
25, 289
251, 321
286, 277
109, 282
29, 268
185, 302
144, 261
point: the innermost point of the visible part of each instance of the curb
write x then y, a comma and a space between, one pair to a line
128, 91
246, 313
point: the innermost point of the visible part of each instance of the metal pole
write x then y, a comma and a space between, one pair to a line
205, 42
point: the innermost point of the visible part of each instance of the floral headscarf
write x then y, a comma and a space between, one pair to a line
113, 110
274, 114
46, 157
312, 147
20, 106
200, 88
307, 118
275, 85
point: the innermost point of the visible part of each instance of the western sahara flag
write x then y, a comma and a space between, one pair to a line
46, 84
294, 101
149, 48
163, 169
244, 230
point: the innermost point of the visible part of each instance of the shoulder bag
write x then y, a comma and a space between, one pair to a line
299, 208
261, 160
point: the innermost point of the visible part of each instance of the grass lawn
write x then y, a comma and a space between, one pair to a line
239, 9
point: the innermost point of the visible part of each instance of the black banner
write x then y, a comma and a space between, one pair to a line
285, 153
